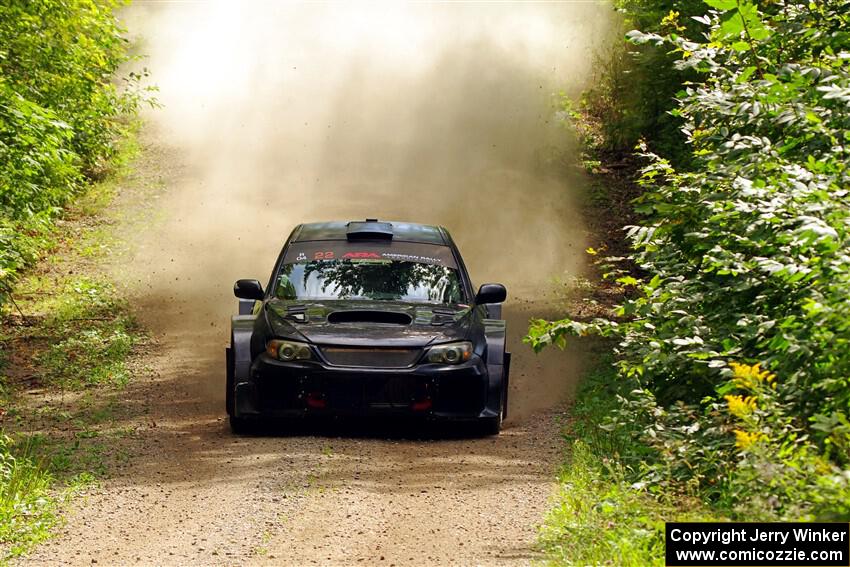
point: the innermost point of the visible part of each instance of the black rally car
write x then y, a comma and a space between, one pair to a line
368, 318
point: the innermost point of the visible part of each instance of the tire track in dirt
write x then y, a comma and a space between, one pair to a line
435, 114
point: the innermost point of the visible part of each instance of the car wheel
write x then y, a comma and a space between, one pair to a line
504, 413
229, 402
241, 426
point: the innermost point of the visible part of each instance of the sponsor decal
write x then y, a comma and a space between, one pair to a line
362, 255
412, 258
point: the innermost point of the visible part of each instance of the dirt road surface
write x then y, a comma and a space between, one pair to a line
288, 114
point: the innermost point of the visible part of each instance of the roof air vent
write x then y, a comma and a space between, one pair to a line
371, 229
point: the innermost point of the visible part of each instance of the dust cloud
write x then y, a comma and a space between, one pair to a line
276, 114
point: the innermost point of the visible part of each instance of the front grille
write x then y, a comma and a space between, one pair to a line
371, 357
353, 392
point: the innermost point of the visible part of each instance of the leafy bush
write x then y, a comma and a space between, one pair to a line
747, 264
60, 113
39, 169
633, 88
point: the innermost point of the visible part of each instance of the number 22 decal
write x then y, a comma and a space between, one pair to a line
323, 255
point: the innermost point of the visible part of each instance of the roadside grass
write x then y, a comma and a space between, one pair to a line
27, 509
66, 345
90, 330
598, 517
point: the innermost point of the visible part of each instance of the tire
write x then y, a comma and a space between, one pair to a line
504, 410
241, 426
229, 401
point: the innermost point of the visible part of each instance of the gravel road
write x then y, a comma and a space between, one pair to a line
337, 494
428, 113
328, 494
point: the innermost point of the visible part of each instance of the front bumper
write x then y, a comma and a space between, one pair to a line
435, 391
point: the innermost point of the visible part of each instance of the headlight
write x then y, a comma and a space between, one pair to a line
288, 350
452, 353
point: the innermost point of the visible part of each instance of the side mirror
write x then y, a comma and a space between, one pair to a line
491, 293
248, 289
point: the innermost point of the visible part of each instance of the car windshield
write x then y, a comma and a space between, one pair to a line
382, 280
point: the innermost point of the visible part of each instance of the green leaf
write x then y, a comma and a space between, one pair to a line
722, 4
731, 24
741, 18
746, 74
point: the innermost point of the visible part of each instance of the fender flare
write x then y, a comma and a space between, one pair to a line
498, 366
238, 357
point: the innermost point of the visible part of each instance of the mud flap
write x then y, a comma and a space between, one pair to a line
506, 378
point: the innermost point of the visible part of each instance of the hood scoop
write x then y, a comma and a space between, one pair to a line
297, 313
384, 317
440, 318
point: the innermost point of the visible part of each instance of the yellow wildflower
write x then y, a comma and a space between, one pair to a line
672, 20
741, 407
751, 377
744, 439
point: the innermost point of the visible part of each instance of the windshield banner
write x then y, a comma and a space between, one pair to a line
303, 252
